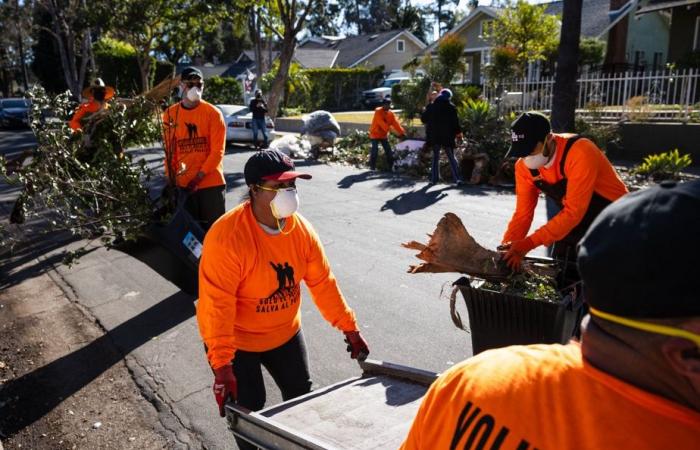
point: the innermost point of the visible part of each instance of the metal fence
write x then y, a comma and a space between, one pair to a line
660, 95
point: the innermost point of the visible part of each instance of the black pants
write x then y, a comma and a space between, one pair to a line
288, 365
206, 205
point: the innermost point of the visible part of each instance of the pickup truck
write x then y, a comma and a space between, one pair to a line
373, 97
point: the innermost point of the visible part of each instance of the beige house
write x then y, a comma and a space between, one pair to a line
391, 49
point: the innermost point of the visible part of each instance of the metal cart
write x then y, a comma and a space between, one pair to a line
372, 411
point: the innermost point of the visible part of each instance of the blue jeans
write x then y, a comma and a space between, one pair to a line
375, 150
435, 171
259, 124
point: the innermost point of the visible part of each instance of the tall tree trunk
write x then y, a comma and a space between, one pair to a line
20, 47
565, 89
280, 81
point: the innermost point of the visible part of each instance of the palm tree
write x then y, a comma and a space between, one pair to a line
565, 89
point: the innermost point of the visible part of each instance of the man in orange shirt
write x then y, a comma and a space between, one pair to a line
570, 170
632, 383
98, 94
195, 140
383, 121
253, 261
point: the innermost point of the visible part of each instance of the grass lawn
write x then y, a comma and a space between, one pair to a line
358, 117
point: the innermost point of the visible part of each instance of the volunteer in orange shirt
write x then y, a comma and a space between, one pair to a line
634, 380
253, 262
383, 121
570, 170
195, 140
98, 94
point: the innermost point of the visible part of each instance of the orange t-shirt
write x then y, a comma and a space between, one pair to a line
587, 170
382, 122
545, 397
249, 285
198, 138
85, 109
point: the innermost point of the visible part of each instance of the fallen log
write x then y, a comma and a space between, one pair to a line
452, 249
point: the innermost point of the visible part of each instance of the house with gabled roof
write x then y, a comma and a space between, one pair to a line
391, 49
684, 16
631, 42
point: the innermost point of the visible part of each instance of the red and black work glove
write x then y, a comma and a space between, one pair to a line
225, 386
357, 346
516, 251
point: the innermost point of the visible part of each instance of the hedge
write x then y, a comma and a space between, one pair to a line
117, 66
223, 91
336, 89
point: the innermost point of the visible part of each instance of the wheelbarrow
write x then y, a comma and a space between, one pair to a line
371, 411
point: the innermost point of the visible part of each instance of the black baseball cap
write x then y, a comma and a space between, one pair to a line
638, 258
526, 131
191, 72
386, 100
271, 165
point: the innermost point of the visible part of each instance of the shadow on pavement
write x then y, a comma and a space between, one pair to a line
163, 262
391, 180
414, 200
45, 388
233, 180
22, 254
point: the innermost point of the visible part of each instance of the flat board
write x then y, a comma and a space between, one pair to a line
375, 412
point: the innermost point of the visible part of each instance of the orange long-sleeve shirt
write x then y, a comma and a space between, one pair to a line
85, 109
249, 282
195, 141
545, 397
382, 122
587, 170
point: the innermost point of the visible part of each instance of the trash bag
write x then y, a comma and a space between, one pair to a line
319, 121
292, 146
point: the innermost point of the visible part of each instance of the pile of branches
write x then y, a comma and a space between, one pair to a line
85, 182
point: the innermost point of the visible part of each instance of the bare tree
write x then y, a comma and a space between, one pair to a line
72, 39
564, 99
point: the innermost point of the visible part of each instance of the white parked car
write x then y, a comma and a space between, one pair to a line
374, 97
238, 119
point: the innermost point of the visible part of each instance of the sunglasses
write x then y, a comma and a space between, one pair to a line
191, 84
279, 187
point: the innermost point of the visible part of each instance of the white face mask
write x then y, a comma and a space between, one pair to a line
285, 203
194, 94
535, 161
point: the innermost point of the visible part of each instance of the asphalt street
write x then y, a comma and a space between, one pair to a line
362, 218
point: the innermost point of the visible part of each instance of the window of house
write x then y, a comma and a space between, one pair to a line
696, 38
400, 46
658, 60
485, 27
486, 57
639, 58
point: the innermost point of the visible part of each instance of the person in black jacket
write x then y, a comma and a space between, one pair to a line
258, 107
442, 127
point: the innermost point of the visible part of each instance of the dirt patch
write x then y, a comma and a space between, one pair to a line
51, 395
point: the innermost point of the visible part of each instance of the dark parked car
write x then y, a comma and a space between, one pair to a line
14, 112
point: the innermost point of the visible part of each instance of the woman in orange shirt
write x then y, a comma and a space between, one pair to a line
253, 261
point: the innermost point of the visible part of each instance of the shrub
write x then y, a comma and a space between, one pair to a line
84, 183
117, 66
223, 91
484, 130
663, 166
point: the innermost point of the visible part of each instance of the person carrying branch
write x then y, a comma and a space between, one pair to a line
569, 169
98, 94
